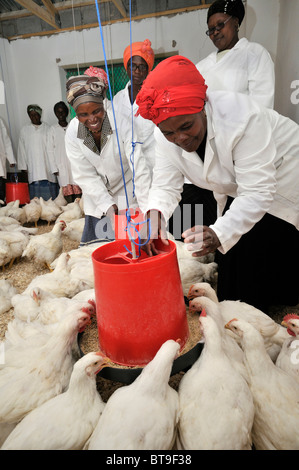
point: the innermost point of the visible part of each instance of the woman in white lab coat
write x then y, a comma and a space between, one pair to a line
6, 154
104, 174
124, 101
58, 156
249, 157
238, 64
33, 156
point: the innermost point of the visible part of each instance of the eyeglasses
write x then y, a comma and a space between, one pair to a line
140, 67
219, 27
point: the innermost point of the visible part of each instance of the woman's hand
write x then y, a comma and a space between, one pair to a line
201, 239
153, 229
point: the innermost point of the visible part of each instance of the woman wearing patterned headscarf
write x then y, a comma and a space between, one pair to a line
238, 64
137, 67
33, 157
93, 146
249, 157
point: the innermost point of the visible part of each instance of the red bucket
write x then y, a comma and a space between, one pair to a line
123, 231
18, 191
140, 302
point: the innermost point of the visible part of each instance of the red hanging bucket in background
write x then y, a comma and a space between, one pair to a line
18, 191
140, 302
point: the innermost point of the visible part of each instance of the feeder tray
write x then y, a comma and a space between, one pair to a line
128, 375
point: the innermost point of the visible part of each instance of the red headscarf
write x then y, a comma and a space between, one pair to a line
175, 87
143, 49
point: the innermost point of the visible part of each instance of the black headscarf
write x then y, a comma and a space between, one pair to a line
230, 7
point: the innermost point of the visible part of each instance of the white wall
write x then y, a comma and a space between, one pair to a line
34, 68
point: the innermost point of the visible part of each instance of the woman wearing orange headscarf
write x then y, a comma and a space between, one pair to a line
248, 156
137, 68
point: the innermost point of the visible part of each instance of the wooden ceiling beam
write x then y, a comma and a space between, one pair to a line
120, 6
40, 12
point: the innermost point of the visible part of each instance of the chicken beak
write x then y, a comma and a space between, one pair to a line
284, 323
228, 324
190, 296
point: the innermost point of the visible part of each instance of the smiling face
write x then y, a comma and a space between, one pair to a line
227, 37
91, 115
186, 131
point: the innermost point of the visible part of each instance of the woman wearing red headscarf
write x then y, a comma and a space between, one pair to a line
137, 68
248, 157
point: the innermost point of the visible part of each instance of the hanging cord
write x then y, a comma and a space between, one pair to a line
74, 24
130, 225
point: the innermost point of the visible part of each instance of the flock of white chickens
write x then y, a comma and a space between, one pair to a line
241, 393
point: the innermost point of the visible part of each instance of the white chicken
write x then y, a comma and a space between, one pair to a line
66, 421
74, 229
7, 291
27, 304
59, 281
72, 211
44, 248
51, 312
41, 373
216, 405
16, 212
60, 199
288, 358
273, 333
12, 247
50, 211
33, 211
230, 345
275, 393
144, 414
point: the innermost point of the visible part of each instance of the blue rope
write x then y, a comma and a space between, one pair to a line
129, 224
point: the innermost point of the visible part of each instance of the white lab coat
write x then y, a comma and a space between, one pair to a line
33, 155
143, 128
6, 151
100, 176
57, 155
246, 68
252, 154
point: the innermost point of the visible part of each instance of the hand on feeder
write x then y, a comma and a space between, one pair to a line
201, 239
153, 229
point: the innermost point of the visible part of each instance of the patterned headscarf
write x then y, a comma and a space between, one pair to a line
229, 7
142, 49
91, 86
174, 88
34, 107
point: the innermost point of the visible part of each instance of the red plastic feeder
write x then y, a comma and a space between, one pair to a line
140, 302
124, 232
18, 191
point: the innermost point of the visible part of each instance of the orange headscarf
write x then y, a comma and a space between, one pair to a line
143, 49
174, 88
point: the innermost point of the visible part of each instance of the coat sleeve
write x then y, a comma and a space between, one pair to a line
261, 77
7, 145
85, 175
255, 175
22, 158
51, 151
168, 180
